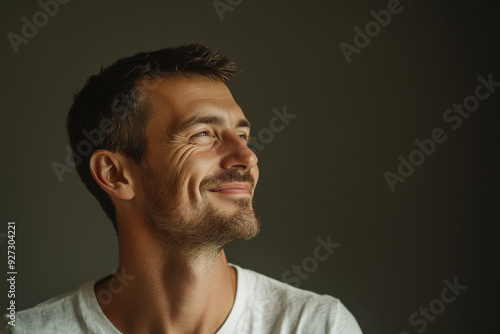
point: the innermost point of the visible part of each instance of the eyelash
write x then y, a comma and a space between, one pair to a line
198, 134
242, 136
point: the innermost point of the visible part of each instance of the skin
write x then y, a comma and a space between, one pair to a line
175, 211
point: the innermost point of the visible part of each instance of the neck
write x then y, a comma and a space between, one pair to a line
167, 292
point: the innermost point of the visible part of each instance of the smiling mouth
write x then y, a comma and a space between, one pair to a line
234, 188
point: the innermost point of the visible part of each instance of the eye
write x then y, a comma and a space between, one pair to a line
244, 136
201, 134
203, 137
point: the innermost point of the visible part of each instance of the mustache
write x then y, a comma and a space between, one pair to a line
211, 182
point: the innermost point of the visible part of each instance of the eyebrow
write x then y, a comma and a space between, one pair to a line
216, 120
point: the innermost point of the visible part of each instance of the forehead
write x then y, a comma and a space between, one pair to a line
174, 100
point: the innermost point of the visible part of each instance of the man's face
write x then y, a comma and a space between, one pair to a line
198, 176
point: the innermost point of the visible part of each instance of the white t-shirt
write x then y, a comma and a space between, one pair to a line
262, 305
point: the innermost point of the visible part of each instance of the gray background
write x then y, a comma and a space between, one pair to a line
322, 175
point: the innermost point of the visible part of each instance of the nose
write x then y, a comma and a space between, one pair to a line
237, 155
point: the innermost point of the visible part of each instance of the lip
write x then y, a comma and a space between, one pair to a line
233, 188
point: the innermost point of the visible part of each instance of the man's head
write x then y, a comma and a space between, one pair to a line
159, 133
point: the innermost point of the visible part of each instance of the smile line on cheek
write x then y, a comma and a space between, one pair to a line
190, 174
180, 156
194, 194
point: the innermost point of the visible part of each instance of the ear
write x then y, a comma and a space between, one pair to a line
112, 172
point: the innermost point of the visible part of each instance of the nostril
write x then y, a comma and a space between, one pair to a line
242, 167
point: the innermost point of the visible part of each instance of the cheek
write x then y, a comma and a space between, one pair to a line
200, 166
171, 172
194, 168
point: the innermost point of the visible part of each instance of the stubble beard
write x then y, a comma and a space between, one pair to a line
200, 227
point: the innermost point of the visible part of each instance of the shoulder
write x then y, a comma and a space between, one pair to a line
274, 291
297, 309
50, 316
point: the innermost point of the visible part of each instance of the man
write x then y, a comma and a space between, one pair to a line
160, 142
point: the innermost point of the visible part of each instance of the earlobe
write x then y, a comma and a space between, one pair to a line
110, 172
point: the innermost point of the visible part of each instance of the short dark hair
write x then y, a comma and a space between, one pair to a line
111, 112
